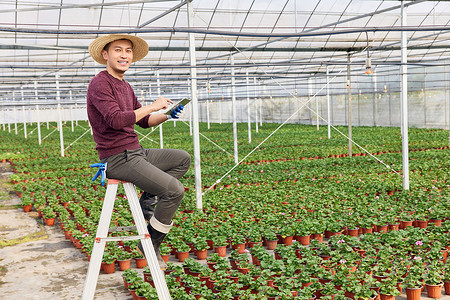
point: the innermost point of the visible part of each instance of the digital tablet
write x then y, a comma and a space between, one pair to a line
182, 102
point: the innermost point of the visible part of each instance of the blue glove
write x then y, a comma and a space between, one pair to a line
101, 171
176, 111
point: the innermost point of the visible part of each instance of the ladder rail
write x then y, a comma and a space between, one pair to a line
157, 274
90, 283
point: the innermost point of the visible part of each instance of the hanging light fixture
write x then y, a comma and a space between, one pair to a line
368, 62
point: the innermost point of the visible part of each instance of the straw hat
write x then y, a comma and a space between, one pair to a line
140, 47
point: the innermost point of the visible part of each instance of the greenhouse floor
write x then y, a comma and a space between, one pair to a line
37, 262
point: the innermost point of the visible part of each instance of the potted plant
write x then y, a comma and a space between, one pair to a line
108, 262
388, 289
27, 203
446, 277
182, 251
238, 242
49, 215
433, 279
413, 281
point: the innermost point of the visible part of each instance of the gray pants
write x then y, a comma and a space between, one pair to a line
156, 171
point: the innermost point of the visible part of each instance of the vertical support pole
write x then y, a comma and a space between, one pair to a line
189, 109
220, 107
9, 126
309, 98
328, 104
359, 106
349, 107
161, 136
24, 121
404, 100
374, 95
424, 96
58, 99
261, 99
256, 104
76, 109
233, 109
15, 112
208, 87
23, 113
37, 112
71, 110
194, 106
317, 106
248, 108
38, 117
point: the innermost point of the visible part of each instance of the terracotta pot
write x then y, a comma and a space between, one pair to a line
271, 245
287, 240
124, 264
353, 232
303, 239
367, 230
239, 247
317, 236
211, 264
201, 254
27, 208
252, 244
109, 268
165, 257
435, 222
140, 262
256, 261
221, 250
387, 297
447, 287
413, 293
404, 224
393, 227
434, 291
422, 223
243, 270
329, 234
382, 228
49, 222
182, 256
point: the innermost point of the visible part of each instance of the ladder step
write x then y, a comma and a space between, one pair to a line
124, 228
122, 238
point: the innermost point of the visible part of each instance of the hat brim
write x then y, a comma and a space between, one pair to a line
140, 47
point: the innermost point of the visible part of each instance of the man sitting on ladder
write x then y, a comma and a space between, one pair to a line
113, 109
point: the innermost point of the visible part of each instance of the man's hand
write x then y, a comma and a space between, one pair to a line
161, 103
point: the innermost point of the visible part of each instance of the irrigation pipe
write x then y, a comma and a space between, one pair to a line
175, 30
50, 133
145, 136
209, 140
78, 139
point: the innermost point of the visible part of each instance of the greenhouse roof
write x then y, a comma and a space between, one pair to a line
283, 39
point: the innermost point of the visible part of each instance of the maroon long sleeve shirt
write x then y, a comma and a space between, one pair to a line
110, 107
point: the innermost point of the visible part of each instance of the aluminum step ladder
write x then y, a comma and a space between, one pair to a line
90, 283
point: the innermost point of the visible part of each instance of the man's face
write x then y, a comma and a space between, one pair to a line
118, 57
